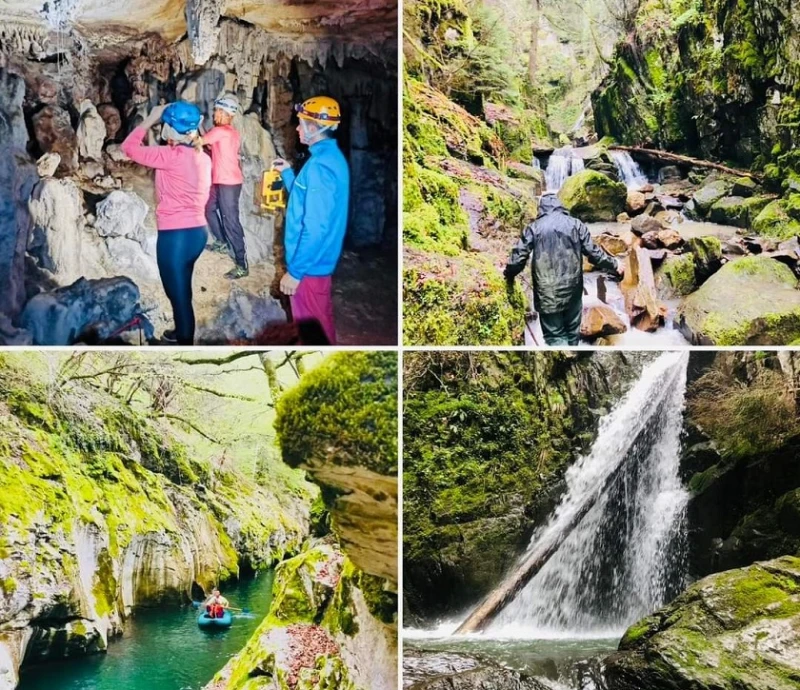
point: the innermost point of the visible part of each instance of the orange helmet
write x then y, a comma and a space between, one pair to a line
320, 109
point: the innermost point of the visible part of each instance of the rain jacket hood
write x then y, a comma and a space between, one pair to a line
557, 243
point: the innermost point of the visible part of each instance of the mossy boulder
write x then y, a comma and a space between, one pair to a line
749, 301
676, 276
728, 631
737, 211
708, 195
707, 253
744, 187
593, 196
774, 221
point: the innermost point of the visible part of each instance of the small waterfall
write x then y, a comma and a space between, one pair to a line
627, 556
536, 165
629, 171
562, 164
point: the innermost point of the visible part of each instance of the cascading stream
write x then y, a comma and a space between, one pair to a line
627, 556
562, 164
629, 171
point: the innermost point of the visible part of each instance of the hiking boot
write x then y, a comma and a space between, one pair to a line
169, 336
237, 272
218, 247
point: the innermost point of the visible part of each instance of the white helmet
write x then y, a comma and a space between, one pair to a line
228, 103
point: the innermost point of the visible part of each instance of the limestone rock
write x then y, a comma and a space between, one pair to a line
593, 196
12, 94
737, 627
92, 169
122, 214
749, 301
114, 152
111, 118
599, 321
47, 165
91, 132
54, 133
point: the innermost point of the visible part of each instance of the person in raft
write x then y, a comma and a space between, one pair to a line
216, 604
222, 212
316, 214
183, 181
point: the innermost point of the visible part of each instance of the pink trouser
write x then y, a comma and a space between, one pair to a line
313, 301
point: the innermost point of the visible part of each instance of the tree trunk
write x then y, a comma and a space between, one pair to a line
533, 50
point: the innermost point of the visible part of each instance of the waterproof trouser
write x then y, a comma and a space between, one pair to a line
176, 253
313, 301
222, 214
563, 327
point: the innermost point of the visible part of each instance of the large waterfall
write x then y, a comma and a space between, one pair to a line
627, 556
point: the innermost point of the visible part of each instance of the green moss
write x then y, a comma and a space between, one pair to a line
679, 270
593, 196
738, 211
8, 585
104, 586
774, 221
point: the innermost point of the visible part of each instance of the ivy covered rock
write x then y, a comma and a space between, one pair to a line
737, 211
732, 630
749, 301
676, 276
340, 424
330, 626
592, 196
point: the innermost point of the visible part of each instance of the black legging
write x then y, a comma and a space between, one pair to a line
176, 252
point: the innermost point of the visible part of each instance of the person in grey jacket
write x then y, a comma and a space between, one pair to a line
557, 242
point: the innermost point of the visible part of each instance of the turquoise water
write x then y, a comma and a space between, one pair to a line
162, 649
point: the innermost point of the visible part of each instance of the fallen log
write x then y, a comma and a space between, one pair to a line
531, 564
644, 309
687, 160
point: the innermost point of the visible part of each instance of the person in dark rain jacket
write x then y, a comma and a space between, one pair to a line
557, 243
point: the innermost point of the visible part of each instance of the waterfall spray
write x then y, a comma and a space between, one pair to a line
627, 555
629, 171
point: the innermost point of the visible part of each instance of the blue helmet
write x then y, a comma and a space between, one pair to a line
183, 117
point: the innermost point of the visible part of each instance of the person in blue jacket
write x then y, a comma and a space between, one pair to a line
316, 214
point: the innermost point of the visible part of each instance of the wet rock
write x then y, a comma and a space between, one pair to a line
775, 221
91, 132
451, 671
635, 203
737, 211
54, 133
47, 165
744, 187
669, 238
676, 277
734, 640
758, 245
669, 217
653, 208
647, 188
749, 301
612, 244
87, 309
657, 255
600, 320
707, 252
669, 173
645, 224
705, 197
111, 118
623, 218
593, 196
670, 203
734, 246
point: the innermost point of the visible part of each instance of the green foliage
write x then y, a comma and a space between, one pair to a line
343, 410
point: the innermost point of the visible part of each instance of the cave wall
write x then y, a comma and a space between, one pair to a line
75, 83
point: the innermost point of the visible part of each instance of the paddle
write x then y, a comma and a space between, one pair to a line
198, 604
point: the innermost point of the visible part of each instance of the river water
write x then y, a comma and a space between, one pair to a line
162, 649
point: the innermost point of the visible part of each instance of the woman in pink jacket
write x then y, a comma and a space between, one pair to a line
183, 181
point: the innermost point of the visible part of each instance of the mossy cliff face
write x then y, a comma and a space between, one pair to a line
487, 438
740, 459
103, 511
330, 626
340, 424
469, 189
732, 630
